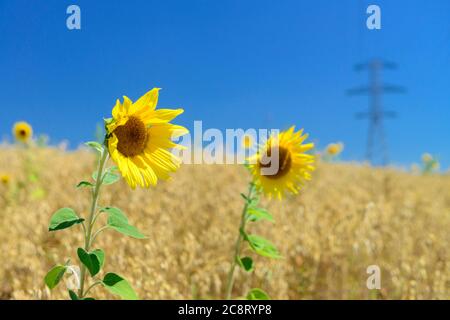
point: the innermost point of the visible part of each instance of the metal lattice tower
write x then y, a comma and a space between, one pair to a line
376, 114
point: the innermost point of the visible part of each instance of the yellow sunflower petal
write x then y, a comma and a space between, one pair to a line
162, 116
127, 104
117, 110
147, 102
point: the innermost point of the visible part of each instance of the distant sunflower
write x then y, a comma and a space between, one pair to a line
4, 179
140, 138
335, 149
294, 165
435, 165
22, 131
426, 157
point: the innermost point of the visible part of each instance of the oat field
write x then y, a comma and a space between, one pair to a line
349, 217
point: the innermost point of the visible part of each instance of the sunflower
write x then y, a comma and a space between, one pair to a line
426, 157
22, 131
334, 149
139, 140
4, 179
294, 165
435, 165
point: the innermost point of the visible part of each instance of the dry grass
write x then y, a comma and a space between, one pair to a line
348, 218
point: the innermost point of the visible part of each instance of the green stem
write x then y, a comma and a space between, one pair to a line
95, 195
92, 286
97, 233
237, 249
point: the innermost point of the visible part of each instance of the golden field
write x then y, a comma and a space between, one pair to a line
349, 217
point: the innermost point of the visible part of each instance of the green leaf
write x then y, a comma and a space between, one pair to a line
93, 261
118, 221
73, 295
85, 184
245, 198
108, 178
89, 298
251, 201
254, 200
115, 213
100, 255
54, 276
95, 145
246, 263
84, 257
64, 218
257, 294
126, 229
119, 286
262, 247
113, 169
255, 214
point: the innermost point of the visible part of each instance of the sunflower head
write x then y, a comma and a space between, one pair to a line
426, 157
281, 164
140, 139
22, 131
435, 165
5, 179
335, 149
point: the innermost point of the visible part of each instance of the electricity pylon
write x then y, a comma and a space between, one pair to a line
376, 113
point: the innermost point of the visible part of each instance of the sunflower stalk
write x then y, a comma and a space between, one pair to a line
238, 245
90, 222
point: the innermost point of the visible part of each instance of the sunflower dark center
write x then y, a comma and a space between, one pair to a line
283, 164
132, 137
22, 133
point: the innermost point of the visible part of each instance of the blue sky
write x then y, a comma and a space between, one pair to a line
231, 64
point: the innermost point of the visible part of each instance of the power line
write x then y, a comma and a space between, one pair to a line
376, 113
